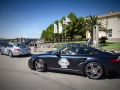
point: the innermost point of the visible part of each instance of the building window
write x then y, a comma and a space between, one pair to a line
118, 18
110, 32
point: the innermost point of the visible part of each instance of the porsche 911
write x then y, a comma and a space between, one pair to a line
77, 58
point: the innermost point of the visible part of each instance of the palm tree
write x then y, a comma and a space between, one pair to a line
91, 21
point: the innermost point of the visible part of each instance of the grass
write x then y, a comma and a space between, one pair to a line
58, 45
106, 46
111, 46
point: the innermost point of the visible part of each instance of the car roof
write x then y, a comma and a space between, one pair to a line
84, 46
14, 43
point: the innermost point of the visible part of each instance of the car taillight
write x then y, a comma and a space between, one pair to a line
115, 60
17, 50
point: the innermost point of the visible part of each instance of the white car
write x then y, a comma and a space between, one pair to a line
15, 49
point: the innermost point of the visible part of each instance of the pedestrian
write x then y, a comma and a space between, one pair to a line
89, 42
31, 43
35, 47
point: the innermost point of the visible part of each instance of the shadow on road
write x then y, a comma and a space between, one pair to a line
114, 76
62, 72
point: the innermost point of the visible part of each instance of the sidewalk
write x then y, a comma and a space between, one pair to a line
40, 50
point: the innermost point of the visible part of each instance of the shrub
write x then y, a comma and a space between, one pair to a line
85, 39
78, 38
103, 39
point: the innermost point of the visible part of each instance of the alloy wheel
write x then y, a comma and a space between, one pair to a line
94, 70
10, 54
40, 65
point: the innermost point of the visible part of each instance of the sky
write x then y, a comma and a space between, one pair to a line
28, 18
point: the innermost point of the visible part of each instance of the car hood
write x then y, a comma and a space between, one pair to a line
43, 54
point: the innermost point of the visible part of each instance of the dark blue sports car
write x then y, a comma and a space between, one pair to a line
78, 58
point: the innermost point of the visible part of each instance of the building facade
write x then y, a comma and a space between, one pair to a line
112, 23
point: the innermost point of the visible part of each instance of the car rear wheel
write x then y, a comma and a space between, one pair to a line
1, 53
10, 54
94, 70
40, 65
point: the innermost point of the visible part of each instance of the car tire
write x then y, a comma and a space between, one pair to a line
10, 54
94, 70
40, 65
1, 53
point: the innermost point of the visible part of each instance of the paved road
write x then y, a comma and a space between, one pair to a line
15, 75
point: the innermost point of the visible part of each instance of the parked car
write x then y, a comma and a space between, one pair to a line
14, 49
78, 58
3, 43
28, 42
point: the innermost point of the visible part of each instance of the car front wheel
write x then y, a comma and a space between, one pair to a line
40, 65
94, 70
10, 54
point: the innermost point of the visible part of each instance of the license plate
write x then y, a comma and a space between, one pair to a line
25, 52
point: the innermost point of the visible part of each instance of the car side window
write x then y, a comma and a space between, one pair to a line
86, 50
69, 50
10, 45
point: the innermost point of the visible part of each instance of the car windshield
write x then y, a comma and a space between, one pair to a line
19, 45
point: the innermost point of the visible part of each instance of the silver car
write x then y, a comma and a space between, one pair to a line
15, 49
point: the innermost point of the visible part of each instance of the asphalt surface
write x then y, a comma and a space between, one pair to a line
15, 75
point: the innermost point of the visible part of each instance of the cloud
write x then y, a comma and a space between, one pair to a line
6, 36
38, 32
9, 36
35, 30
